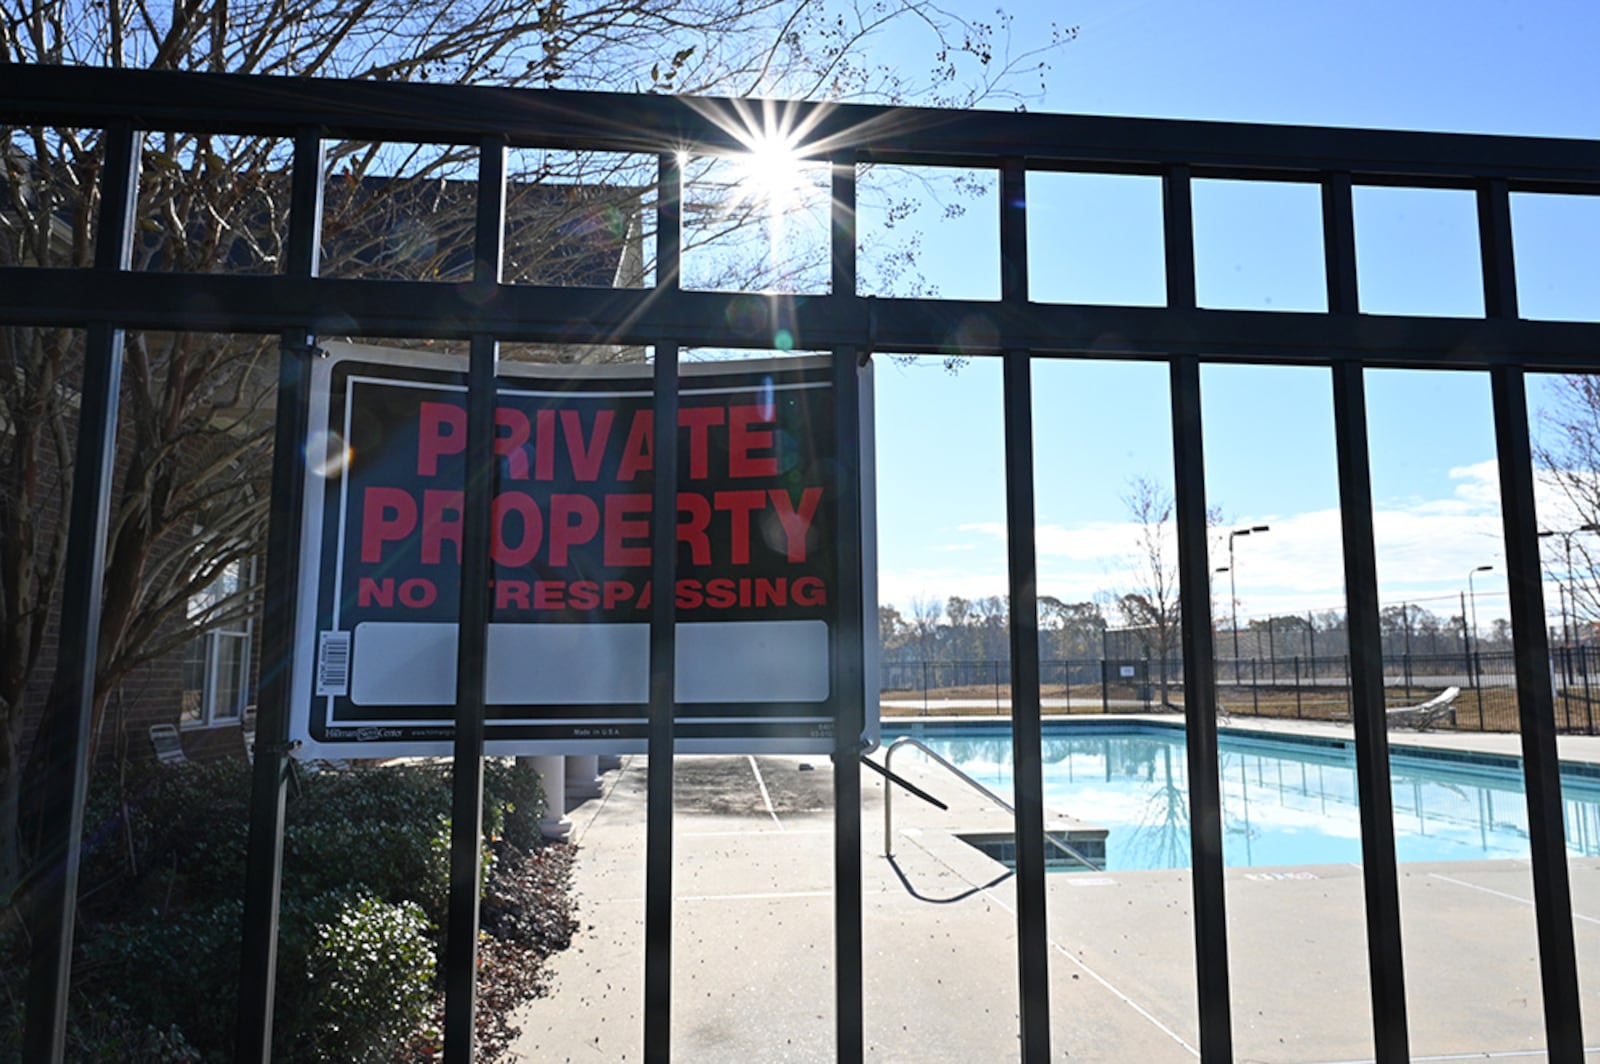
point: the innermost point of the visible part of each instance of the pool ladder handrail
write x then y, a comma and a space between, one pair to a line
888, 800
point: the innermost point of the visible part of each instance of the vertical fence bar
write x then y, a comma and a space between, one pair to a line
1552, 891
270, 771
848, 681
1536, 716
842, 212
472, 628
1033, 943
1026, 728
1199, 663
1200, 721
1379, 873
663, 682
51, 892
663, 641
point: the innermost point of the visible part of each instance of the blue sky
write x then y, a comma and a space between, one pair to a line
1471, 67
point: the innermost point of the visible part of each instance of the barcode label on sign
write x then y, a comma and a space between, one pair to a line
333, 663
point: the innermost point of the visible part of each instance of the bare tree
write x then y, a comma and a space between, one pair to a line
190, 496
1153, 607
1566, 451
994, 623
925, 613
1077, 626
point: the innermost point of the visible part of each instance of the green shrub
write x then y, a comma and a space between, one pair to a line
372, 969
178, 969
102, 1030
365, 890
512, 786
188, 828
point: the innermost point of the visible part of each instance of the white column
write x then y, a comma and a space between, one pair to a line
553, 779
583, 777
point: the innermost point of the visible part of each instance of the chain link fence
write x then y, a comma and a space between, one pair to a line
1295, 687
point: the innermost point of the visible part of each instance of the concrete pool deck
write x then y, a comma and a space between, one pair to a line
753, 940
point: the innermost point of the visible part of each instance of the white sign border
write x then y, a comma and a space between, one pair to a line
305, 643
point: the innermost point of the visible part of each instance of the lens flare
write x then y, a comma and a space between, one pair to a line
327, 455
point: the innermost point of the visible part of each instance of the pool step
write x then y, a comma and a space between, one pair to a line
1002, 847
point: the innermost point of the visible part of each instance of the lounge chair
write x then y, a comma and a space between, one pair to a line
168, 744
1440, 709
247, 731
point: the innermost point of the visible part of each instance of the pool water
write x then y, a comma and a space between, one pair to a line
1284, 802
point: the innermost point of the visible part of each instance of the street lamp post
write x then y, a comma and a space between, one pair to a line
1474, 667
1571, 591
1233, 591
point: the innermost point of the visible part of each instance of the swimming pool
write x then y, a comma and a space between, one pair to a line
1285, 801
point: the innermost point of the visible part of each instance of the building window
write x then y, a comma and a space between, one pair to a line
216, 663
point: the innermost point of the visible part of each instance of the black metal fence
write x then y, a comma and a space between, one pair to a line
109, 298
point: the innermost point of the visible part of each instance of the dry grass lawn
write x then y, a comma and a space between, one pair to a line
1498, 712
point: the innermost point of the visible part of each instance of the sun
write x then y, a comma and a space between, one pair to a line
771, 177
770, 171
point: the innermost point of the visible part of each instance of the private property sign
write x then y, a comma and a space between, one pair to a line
758, 580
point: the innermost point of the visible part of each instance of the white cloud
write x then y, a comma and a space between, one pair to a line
1479, 483
1425, 548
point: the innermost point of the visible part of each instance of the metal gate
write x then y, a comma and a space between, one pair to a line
485, 311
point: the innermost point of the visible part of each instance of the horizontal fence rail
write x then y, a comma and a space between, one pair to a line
464, 115
861, 134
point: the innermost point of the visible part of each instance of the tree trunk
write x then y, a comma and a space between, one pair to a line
10, 808
34, 771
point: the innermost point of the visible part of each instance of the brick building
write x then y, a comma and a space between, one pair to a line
195, 661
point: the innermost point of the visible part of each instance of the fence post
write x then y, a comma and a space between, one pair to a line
1105, 686
1299, 710
1272, 655
1477, 687
924, 688
996, 664
1255, 690
1565, 654
1583, 671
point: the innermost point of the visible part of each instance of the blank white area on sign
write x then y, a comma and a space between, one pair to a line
753, 661
565, 664
406, 663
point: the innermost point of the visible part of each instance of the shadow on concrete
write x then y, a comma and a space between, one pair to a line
894, 863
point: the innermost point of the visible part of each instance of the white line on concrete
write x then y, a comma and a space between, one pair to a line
768, 896
756, 897
1501, 894
1488, 1054
765, 797
1126, 1000
754, 831
1097, 977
